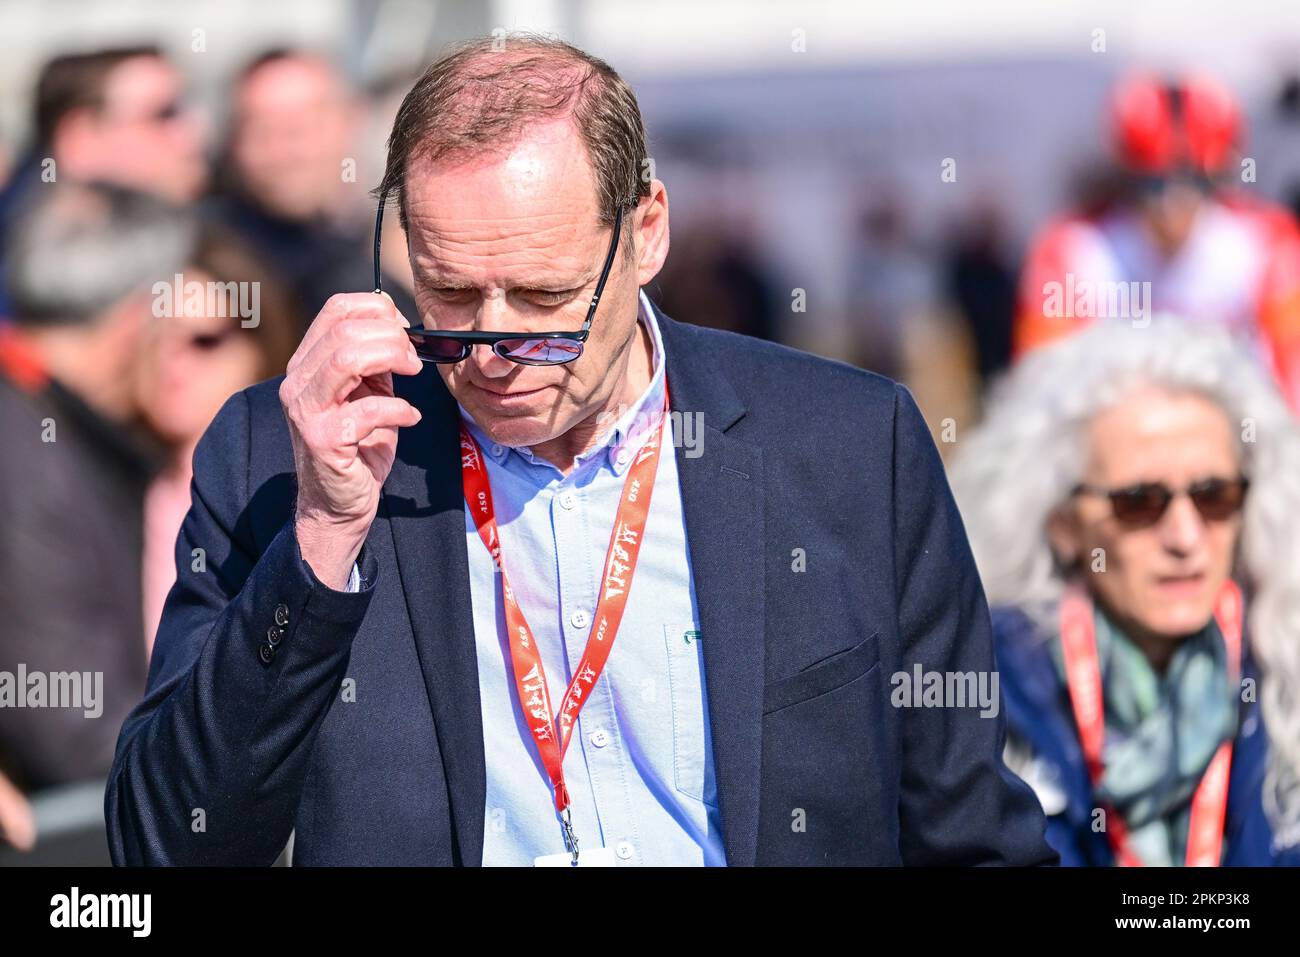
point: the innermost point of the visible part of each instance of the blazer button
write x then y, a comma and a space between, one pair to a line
266, 653
282, 615
274, 635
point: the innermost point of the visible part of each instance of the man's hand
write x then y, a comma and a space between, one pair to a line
17, 826
343, 418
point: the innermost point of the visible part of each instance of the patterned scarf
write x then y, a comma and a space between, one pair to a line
1162, 730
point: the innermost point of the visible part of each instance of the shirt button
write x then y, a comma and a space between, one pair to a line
497, 450
568, 500
625, 850
600, 737
622, 457
579, 619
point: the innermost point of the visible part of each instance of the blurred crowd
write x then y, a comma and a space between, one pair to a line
149, 270
142, 284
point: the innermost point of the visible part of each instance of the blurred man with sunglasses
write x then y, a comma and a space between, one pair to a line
115, 116
446, 551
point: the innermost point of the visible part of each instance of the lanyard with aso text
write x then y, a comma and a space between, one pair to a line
1083, 677
525, 657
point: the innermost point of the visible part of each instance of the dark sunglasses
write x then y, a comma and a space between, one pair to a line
1140, 505
525, 348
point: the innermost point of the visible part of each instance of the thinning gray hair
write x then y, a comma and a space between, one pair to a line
80, 249
1011, 472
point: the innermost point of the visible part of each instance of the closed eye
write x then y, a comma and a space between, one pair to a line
453, 294
548, 298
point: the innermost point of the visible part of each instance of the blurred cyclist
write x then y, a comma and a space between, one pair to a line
1211, 252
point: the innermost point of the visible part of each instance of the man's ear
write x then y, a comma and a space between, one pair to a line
1063, 535
650, 231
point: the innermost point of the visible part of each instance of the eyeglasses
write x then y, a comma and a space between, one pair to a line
1143, 504
525, 348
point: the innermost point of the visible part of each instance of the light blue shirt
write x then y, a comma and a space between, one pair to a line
639, 767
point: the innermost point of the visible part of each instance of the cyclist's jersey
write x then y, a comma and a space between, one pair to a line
1239, 269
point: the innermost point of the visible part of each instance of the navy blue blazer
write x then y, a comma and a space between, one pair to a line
232, 748
1039, 713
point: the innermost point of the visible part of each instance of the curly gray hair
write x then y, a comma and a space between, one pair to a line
1021, 462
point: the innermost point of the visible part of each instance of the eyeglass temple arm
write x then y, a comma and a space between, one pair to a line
604, 270
379, 226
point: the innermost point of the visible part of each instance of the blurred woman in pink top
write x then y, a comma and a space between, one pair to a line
222, 325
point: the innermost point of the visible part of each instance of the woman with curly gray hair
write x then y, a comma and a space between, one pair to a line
1133, 502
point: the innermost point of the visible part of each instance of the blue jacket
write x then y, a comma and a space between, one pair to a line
1038, 711
801, 457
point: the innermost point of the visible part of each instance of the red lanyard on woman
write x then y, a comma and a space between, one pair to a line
1083, 677
525, 657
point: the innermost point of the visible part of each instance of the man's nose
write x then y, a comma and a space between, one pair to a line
493, 316
1182, 528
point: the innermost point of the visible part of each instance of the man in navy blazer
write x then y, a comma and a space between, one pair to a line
329, 545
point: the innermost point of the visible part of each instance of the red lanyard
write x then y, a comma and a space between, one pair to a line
1083, 676
620, 565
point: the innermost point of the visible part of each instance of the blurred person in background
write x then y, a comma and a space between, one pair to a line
893, 280
1211, 253
72, 476
714, 278
193, 359
1133, 502
981, 283
114, 116
287, 189
901, 325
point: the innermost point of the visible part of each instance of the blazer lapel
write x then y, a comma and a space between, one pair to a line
722, 488
423, 502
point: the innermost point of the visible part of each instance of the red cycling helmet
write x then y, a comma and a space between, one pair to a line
1190, 125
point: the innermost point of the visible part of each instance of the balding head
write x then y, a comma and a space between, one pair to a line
483, 96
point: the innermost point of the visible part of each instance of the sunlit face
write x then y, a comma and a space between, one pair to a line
191, 363
144, 137
294, 127
512, 241
1162, 579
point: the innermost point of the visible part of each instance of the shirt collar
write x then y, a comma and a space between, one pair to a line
617, 443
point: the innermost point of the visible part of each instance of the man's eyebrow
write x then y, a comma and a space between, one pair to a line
430, 277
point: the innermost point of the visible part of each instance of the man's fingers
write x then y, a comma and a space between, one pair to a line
341, 307
340, 369
346, 333
355, 421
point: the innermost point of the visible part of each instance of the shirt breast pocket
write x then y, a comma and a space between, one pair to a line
692, 739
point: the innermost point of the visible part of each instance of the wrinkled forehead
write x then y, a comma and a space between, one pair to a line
1157, 434
542, 181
